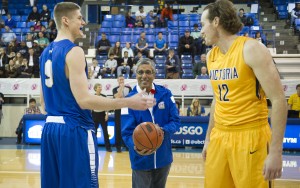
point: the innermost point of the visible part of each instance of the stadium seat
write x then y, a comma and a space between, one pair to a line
29, 24
118, 24
175, 17
192, 23
185, 24
24, 18
187, 76
109, 18
127, 31
104, 30
106, 24
160, 76
113, 39
150, 38
16, 18
183, 17
194, 17
172, 24
163, 30
109, 76
186, 65
119, 17
125, 38
25, 30
21, 24
160, 71
115, 31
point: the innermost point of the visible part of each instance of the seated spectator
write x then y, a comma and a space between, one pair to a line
130, 21
295, 14
110, 65
34, 15
198, 65
128, 49
95, 69
166, 15
11, 23
29, 40
32, 109
33, 32
138, 57
195, 109
43, 41
196, 32
117, 50
186, 44
11, 56
160, 45
294, 101
124, 66
8, 36
37, 26
25, 71
172, 66
11, 47
150, 20
45, 14
141, 13
3, 62
203, 74
139, 22
53, 35
258, 37
242, 16
23, 49
142, 45
33, 60
198, 41
36, 48
11, 70
51, 25
18, 59
103, 45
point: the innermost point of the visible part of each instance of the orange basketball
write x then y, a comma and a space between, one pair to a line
147, 135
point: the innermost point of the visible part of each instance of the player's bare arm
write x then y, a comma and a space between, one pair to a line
267, 75
75, 71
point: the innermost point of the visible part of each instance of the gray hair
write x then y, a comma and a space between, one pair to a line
146, 61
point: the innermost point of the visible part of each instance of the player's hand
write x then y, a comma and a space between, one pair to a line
273, 166
205, 150
141, 102
144, 152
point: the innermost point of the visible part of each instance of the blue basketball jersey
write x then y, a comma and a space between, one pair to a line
58, 97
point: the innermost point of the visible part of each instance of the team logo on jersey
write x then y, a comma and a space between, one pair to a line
183, 87
15, 86
203, 87
33, 86
161, 105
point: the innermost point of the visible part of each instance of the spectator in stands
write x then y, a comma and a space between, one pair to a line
110, 65
199, 43
45, 14
95, 69
141, 13
37, 26
138, 57
33, 32
103, 45
294, 100
18, 59
34, 15
166, 15
139, 23
3, 63
51, 25
25, 71
150, 20
198, 65
195, 109
259, 38
116, 50
242, 16
295, 14
53, 35
203, 74
142, 45
11, 23
11, 56
172, 66
36, 48
128, 49
43, 41
130, 21
23, 49
8, 36
186, 44
33, 60
11, 70
11, 47
29, 40
32, 109
124, 66
160, 45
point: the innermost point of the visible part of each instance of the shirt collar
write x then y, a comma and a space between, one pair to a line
139, 90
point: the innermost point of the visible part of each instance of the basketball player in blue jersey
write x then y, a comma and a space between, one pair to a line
69, 155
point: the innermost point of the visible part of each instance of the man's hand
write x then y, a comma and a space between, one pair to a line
204, 151
144, 152
273, 166
140, 101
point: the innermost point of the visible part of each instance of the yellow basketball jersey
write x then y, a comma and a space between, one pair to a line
239, 97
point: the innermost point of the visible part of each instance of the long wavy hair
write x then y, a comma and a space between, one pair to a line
195, 111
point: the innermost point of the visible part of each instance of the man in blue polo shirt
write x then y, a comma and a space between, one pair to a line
160, 45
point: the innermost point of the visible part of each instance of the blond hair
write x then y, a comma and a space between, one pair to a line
64, 9
195, 111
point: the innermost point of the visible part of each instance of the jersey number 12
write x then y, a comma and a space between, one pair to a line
223, 91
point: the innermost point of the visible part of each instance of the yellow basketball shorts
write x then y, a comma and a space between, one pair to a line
235, 157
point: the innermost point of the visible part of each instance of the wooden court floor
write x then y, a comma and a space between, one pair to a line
19, 168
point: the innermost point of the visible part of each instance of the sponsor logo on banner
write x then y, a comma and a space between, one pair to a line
35, 131
175, 141
285, 87
203, 87
16, 86
183, 87
34, 86
290, 140
291, 164
190, 130
107, 87
90, 86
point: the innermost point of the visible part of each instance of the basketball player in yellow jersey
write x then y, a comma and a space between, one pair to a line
239, 150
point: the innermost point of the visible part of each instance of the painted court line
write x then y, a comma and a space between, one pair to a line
129, 175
